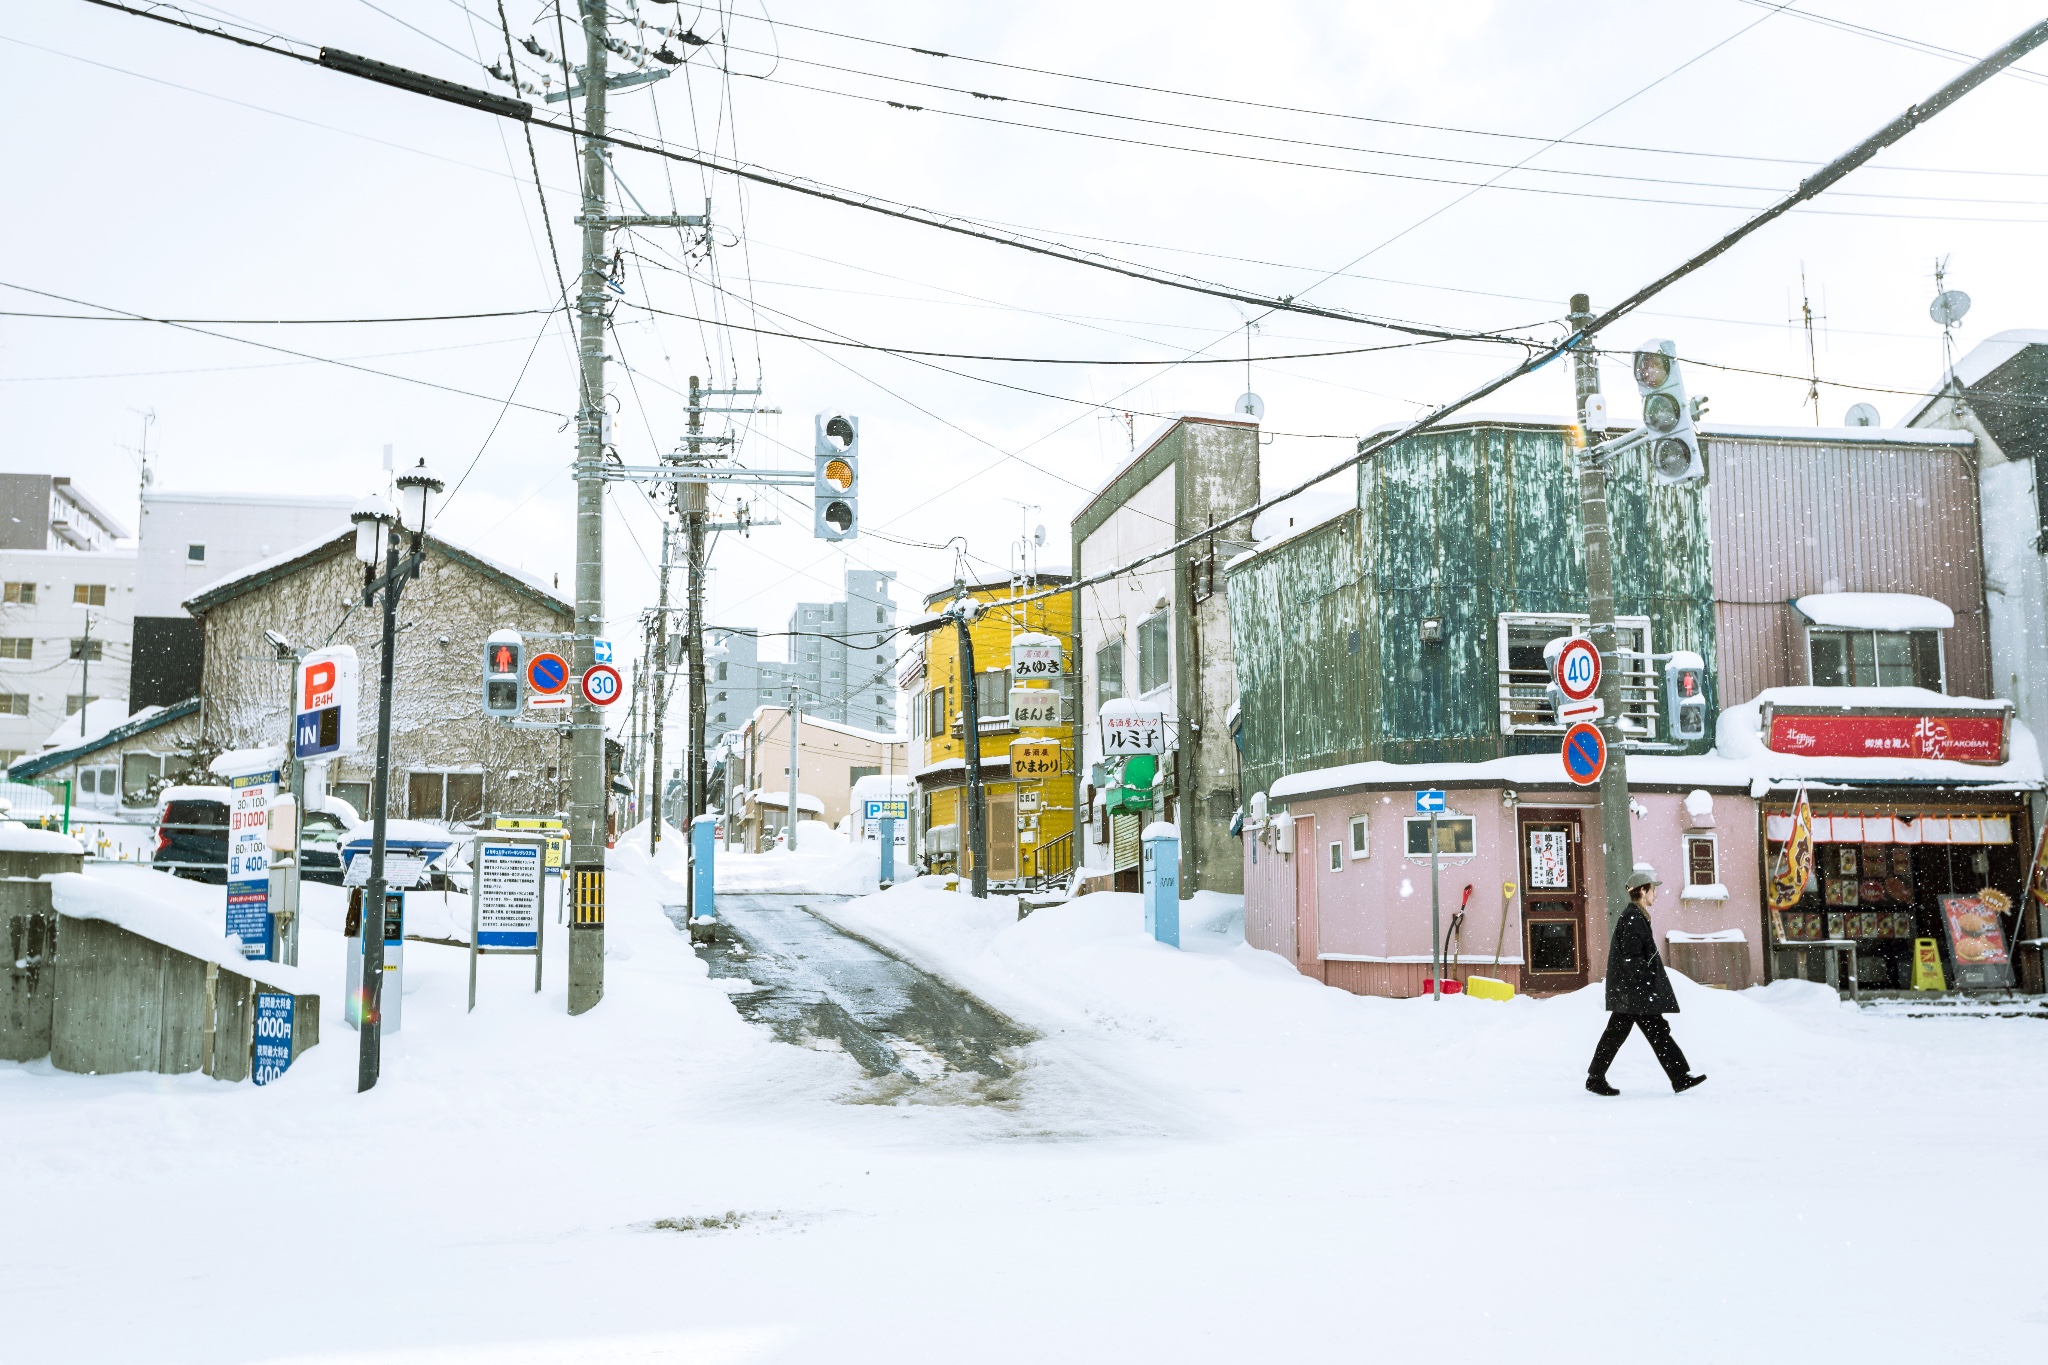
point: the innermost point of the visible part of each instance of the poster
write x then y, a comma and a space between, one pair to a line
1976, 941
249, 862
508, 896
1549, 855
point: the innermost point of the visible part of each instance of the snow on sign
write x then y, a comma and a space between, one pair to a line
1585, 753
1034, 706
601, 684
1035, 656
1578, 669
1129, 728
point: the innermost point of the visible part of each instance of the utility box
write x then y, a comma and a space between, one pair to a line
1162, 883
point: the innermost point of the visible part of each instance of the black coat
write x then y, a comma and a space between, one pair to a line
1636, 983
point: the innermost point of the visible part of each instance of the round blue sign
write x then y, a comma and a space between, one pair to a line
547, 673
1585, 753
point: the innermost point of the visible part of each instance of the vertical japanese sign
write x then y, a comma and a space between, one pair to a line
249, 862
273, 1050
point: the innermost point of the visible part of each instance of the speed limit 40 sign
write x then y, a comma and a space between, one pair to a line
601, 685
1578, 669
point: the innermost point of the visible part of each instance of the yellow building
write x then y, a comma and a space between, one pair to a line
1030, 816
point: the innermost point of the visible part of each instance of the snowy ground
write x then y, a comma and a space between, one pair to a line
1207, 1158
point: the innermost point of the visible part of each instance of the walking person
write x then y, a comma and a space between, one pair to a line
1638, 994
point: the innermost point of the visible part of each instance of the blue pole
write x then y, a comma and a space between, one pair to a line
888, 874
704, 883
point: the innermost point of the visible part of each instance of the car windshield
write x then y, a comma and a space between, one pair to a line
208, 813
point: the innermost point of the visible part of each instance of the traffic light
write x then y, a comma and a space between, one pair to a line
835, 501
1685, 695
1674, 445
504, 673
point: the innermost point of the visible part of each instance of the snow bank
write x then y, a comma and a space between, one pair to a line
172, 924
16, 837
825, 861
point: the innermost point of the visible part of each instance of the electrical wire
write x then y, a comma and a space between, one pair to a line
284, 322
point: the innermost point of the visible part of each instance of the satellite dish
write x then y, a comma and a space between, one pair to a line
1038, 535
1949, 307
1862, 415
1252, 406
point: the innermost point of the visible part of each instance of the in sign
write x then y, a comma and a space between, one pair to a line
601, 685
1578, 669
1585, 754
547, 674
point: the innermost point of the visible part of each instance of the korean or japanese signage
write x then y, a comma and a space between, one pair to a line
1976, 940
1035, 656
1128, 728
273, 1044
249, 862
508, 895
1963, 738
553, 828
325, 703
1550, 866
1034, 706
1034, 758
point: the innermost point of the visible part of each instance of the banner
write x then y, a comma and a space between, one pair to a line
2037, 880
1966, 739
1795, 862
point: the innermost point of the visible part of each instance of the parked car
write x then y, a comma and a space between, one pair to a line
192, 833
192, 838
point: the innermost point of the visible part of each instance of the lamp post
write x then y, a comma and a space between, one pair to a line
377, 541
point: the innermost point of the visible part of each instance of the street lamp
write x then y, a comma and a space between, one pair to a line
377, 540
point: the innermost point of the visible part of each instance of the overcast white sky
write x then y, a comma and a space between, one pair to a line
166, 173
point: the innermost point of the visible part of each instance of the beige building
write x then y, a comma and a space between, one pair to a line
831, 757
449, 762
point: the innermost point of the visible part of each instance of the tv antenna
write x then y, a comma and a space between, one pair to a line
1807, 317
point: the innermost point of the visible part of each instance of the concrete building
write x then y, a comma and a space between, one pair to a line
66, 565
1160, 635
190, 540
842, 655
831, 758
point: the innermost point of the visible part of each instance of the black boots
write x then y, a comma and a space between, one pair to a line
1599, 1086
1679, 1087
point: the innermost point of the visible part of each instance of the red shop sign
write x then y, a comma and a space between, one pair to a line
1963, 738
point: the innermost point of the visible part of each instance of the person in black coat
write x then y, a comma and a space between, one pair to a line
1638, 994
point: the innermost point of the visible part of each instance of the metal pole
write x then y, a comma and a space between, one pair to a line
370, 1059
795, 758
588, 778
694, 501
659, 703
1436, 944
85, 674
970, 704
294, 870
1617, 846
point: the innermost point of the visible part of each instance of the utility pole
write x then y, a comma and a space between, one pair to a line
587, 775
694, 500
85, 675
795, 761
660, 701
1617, 842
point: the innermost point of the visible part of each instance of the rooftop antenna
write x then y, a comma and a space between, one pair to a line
1807, 317
1949, 308
141, 454
1250, 404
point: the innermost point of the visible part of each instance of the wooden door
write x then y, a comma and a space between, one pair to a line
1002, 836
1307, 931
1553, 900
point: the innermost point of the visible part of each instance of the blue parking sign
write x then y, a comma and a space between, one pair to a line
273, 1036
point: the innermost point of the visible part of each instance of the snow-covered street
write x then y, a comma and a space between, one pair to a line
1205, 1157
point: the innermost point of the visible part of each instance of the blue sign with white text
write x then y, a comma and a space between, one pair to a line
1429, 801
273, 1036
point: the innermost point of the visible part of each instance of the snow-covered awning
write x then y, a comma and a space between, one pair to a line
1875, 611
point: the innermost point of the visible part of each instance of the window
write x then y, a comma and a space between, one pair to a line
89, 594
17, 647
1876, 658
881, 615
1361, 837
721, 672
454, 797
1525, 674
138, 773
88, 650
935, 713
195, 553
855, 773
356, 795
1702, 860
1155, 665
73, 702
13, 703
719, 697
1453, 835
24, 593
1336, 857
1109, 671
992, 696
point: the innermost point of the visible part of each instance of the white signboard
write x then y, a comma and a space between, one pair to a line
1034, 706
248, 854
1128, 728
507, 896
1035, 656
402, 871
1549, 868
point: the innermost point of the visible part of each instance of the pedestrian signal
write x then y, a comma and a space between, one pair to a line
1674, 445
504, 682
1685, 695
835, 498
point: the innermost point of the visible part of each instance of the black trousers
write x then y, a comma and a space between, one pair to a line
1656, 1033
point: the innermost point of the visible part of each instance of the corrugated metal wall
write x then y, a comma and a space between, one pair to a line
1791, 518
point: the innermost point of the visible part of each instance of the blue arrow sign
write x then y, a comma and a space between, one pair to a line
1429, 801
601, 651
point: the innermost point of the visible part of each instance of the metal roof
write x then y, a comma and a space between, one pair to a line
129, 729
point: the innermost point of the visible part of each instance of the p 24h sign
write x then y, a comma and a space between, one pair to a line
325, 695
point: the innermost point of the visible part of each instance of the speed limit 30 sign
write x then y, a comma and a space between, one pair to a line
1578, 669
601, 685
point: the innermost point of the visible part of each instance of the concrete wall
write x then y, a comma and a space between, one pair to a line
232, 531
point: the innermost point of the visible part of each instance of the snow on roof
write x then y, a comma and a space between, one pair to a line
1867, 435
194, 793
98, 718
16, 837
1982, 359
1303, 512
1885, 698
882, 787
1875, 611
810, 721
780, 800
1479, 419
162, 921
263, 567
248, 762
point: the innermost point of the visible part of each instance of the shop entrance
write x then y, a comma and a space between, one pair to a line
1002, 836
1553, 900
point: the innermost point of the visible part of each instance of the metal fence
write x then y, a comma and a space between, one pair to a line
45, 804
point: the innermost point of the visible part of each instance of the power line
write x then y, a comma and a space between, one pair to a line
281, 322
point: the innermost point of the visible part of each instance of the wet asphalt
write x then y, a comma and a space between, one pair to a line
815, 985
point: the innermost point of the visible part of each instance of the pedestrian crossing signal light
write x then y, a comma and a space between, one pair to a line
835, 498
1674, 444
1685, 696
504, 677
